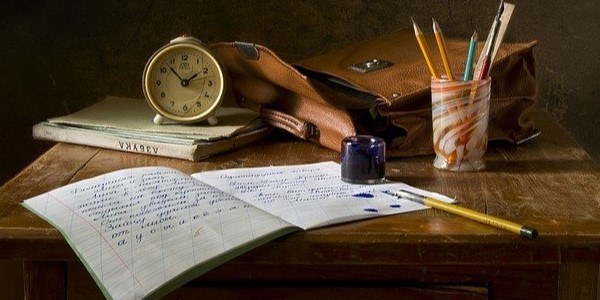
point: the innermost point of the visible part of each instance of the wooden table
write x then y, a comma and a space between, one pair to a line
549, 183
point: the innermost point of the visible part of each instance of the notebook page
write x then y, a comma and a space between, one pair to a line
312, 195
138, 228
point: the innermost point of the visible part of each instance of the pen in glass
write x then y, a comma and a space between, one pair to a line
522, 230
489, 44
470, 57
441, 43
425, 50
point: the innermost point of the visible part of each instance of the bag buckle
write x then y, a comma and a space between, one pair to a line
370, 65
248, 50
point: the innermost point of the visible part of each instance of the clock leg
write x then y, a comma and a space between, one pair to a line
158, 119
212, 120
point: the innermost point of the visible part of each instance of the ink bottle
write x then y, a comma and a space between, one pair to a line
363, 159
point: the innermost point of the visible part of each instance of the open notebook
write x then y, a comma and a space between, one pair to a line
143, 232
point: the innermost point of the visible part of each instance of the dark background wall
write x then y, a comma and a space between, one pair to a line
59, 56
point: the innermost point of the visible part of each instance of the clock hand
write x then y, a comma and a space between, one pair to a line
193, 76
184, 82
206, 75
175, 72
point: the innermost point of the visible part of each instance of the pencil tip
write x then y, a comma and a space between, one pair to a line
436, 26
415, 26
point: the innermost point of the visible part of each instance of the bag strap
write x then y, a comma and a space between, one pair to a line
302, 129
284, 97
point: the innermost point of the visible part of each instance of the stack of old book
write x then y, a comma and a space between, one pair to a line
126, 124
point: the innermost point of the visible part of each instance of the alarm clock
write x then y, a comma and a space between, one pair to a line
183, 82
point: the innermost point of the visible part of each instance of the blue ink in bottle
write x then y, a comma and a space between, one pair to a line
363, 159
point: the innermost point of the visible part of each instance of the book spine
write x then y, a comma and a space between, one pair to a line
75, 136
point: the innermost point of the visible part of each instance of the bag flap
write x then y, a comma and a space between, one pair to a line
406, 77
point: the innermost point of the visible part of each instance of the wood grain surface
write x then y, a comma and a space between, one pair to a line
549, 183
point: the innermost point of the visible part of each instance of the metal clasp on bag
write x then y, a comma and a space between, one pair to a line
370, 65
248, 50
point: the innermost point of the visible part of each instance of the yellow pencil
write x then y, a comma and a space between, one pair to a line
425, 50
439, 37
522, 230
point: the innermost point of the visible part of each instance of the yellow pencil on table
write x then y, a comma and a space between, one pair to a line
425, 50
439, 37
522, 230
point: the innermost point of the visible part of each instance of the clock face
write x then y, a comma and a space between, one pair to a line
183, 82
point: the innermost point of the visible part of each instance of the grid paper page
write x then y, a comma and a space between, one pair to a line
312, 195
136, 229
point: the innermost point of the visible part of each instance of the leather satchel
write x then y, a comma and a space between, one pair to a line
379, 86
